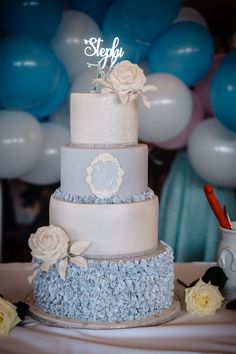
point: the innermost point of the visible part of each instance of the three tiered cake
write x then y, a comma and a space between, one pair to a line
99, 260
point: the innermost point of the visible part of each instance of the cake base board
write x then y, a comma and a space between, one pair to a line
62, 322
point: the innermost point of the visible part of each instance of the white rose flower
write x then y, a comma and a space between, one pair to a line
8, 317
127, 80
49, 244
127, 77
203, 299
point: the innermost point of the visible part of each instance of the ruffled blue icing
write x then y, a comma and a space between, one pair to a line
108, 290
90, 199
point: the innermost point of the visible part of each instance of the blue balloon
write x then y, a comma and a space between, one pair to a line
95, 9
185, 50
28, 68
39, 18
113, 26
223, 94
147, 19
56, 98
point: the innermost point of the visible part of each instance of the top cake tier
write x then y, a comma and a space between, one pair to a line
102, 120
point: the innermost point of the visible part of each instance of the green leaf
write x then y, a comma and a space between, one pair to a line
193, 283
22, 309
216, 276
231, 305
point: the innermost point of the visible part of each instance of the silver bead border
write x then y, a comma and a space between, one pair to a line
102, 146
126, 256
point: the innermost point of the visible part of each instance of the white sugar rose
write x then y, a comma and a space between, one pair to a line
127, 77
127, 80
203, 299
49, 244
8, 317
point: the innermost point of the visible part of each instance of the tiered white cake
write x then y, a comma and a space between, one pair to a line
100, 260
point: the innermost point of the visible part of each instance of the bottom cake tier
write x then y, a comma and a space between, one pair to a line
130, 288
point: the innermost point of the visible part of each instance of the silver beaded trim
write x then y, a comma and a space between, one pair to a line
127, 256
102, 146
153, 320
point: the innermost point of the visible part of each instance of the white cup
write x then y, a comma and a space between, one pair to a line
226, 259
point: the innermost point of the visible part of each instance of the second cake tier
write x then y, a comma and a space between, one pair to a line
104, 173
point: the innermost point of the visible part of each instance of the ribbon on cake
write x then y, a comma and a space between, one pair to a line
50, 246
127, 80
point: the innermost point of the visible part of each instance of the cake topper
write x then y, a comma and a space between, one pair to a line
94, 48
125, 79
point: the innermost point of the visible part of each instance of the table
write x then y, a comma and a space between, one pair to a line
185, 334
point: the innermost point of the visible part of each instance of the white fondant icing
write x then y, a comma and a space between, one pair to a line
103, 119
111, 229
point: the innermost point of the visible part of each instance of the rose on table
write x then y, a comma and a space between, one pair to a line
204, 296
11, 315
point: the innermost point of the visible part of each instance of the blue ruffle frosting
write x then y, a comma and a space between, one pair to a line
108, 290
90, 199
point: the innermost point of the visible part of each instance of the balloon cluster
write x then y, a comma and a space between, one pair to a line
42, 61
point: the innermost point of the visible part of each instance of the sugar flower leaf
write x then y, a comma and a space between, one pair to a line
102, 82
61, 268
132, 96
79, 262
79, 247
146, 101
45, 267
33, 275
106, 90
123, 97
149, 88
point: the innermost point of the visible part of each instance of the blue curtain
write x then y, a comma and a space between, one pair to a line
186, 221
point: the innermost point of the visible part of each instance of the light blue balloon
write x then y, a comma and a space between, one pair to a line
56, 98
39, 17
21, 143
113, 26
185, 50
28, 68
223, 94
147, 19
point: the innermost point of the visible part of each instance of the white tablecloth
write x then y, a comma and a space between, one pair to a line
186, 334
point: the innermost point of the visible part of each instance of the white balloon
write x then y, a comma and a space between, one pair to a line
212, 153
83, 80
68, 42
62, 116
170, 111
190, 14
21, 143
47, 170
